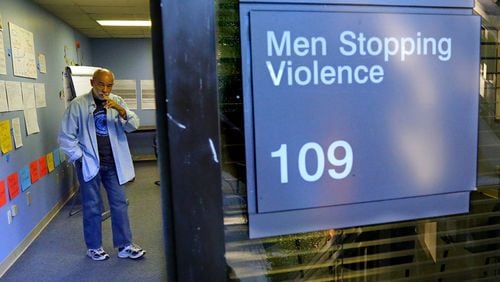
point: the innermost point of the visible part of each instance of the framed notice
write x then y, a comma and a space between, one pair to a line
125, 88
148, 95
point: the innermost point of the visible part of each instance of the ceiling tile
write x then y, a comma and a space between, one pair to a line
81, 15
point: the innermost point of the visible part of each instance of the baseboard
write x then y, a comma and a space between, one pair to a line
16, 254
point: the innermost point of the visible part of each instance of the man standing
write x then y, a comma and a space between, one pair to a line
93, 135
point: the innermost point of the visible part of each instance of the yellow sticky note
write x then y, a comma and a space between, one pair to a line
50, 161
5, 137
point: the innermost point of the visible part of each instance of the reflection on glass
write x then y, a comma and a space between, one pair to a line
455, 248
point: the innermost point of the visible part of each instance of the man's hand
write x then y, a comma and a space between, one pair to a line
110, 103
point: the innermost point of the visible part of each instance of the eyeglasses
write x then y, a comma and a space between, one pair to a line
102, 85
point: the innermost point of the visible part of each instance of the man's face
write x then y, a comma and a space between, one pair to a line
102, 85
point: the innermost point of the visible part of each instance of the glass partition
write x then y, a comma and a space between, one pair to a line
454, 248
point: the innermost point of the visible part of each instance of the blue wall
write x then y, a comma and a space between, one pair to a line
57, 41
128, 59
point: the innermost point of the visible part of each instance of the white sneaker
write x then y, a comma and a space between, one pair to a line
97, 254
131, 251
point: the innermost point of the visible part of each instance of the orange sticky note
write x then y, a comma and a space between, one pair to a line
13, 184
34, 173
3, 195
42, 165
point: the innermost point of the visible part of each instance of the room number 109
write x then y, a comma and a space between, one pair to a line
315, 148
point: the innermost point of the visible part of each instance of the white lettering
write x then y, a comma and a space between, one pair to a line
307, 75
345, 41
376, 74
301, 46
353, 44
318, 40
444, 47
317, 74
272, 44
374, 51
388, 42
408, 47
276, 78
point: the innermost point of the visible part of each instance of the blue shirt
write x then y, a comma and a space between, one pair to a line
77, 136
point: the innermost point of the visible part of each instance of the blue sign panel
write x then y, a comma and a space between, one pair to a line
361, 109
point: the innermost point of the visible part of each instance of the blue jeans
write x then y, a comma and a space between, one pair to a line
92, 207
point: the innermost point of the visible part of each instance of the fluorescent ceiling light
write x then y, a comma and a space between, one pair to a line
124, 23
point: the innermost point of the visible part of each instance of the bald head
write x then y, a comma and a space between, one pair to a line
102, 82
102, 71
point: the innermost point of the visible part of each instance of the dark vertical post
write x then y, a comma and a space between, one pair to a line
188, 138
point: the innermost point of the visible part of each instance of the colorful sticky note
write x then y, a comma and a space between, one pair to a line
42, 165
57, 159
50, 161
24, 174
5, 136
13, 184
34, 173
3, 195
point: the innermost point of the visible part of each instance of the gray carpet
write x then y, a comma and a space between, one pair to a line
58, 254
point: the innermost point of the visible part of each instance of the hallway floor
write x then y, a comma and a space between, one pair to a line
58, 254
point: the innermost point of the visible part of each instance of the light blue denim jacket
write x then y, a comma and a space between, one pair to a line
77, 136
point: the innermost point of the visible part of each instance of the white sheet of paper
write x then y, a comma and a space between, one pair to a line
28, 95
16, 128
40, 95
42, 63
148, 95
22, 44
14, 95
31, 121
3, 64
4, 106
